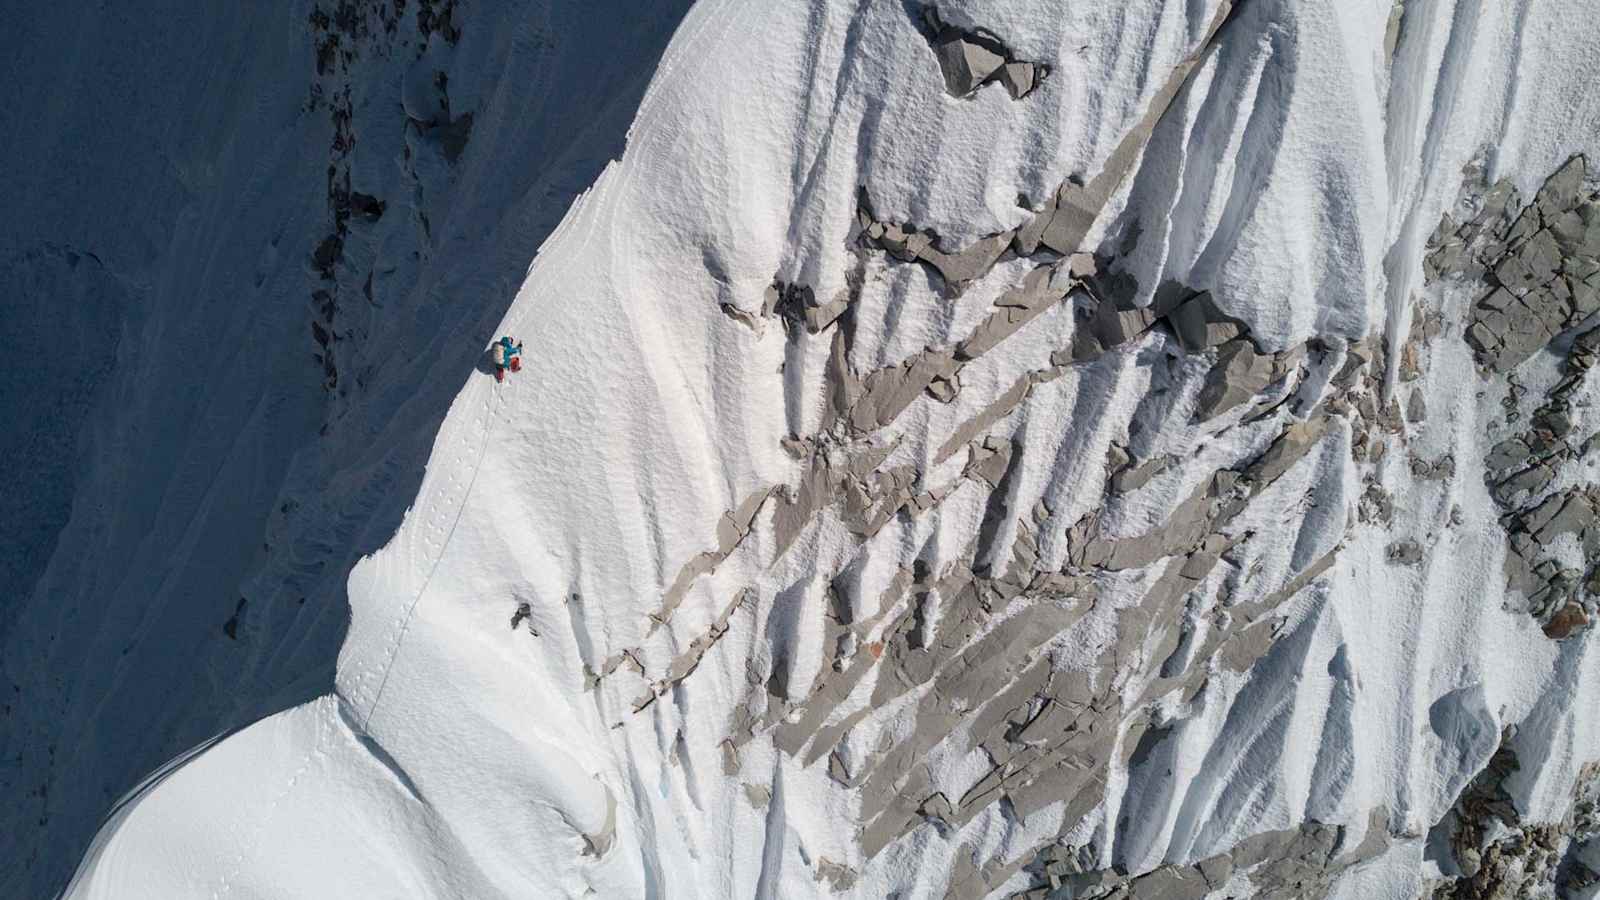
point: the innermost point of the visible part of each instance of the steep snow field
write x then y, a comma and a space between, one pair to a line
800, 595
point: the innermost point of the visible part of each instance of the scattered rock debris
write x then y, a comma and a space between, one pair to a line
1499, 855
1376, 506
1294, 862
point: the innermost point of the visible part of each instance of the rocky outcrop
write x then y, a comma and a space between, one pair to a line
1542, 268
1497, 854
908, 244
971, 59
1291, 862
796, 306
1553, 589
1044, 729
1240, 374
964, 649
1201, 324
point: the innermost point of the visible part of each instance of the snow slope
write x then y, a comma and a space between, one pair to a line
712, 686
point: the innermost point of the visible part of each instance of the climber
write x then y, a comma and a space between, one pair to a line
506, 354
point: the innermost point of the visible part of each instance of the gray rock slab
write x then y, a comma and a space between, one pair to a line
1391, 31
966, 65
759, 795
1200, 324
937, 806
1132, 479
1291, 445
1113, 325
1015, 308
1500, 197
1080, 204
1514, 274
1026, 239
748, 319
1240, 374
837, 876
1560, 190
1531, 480
970, 262
1216, 869
1019, 78
820, 317
998, 409
887, 392
1542, 255
1171, 883
1416, 407
1585, 300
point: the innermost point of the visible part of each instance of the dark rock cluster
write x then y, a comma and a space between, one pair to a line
1543, 267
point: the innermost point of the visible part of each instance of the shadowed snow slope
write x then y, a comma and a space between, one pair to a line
206, 425
966, 496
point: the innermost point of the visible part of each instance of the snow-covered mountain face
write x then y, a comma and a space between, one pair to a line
251, 251
1058, 449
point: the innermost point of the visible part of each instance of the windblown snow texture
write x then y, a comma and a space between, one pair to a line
1163, 478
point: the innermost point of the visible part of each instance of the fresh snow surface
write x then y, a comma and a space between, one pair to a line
1297, 177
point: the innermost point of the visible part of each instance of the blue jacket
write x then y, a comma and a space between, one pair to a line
505, 350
